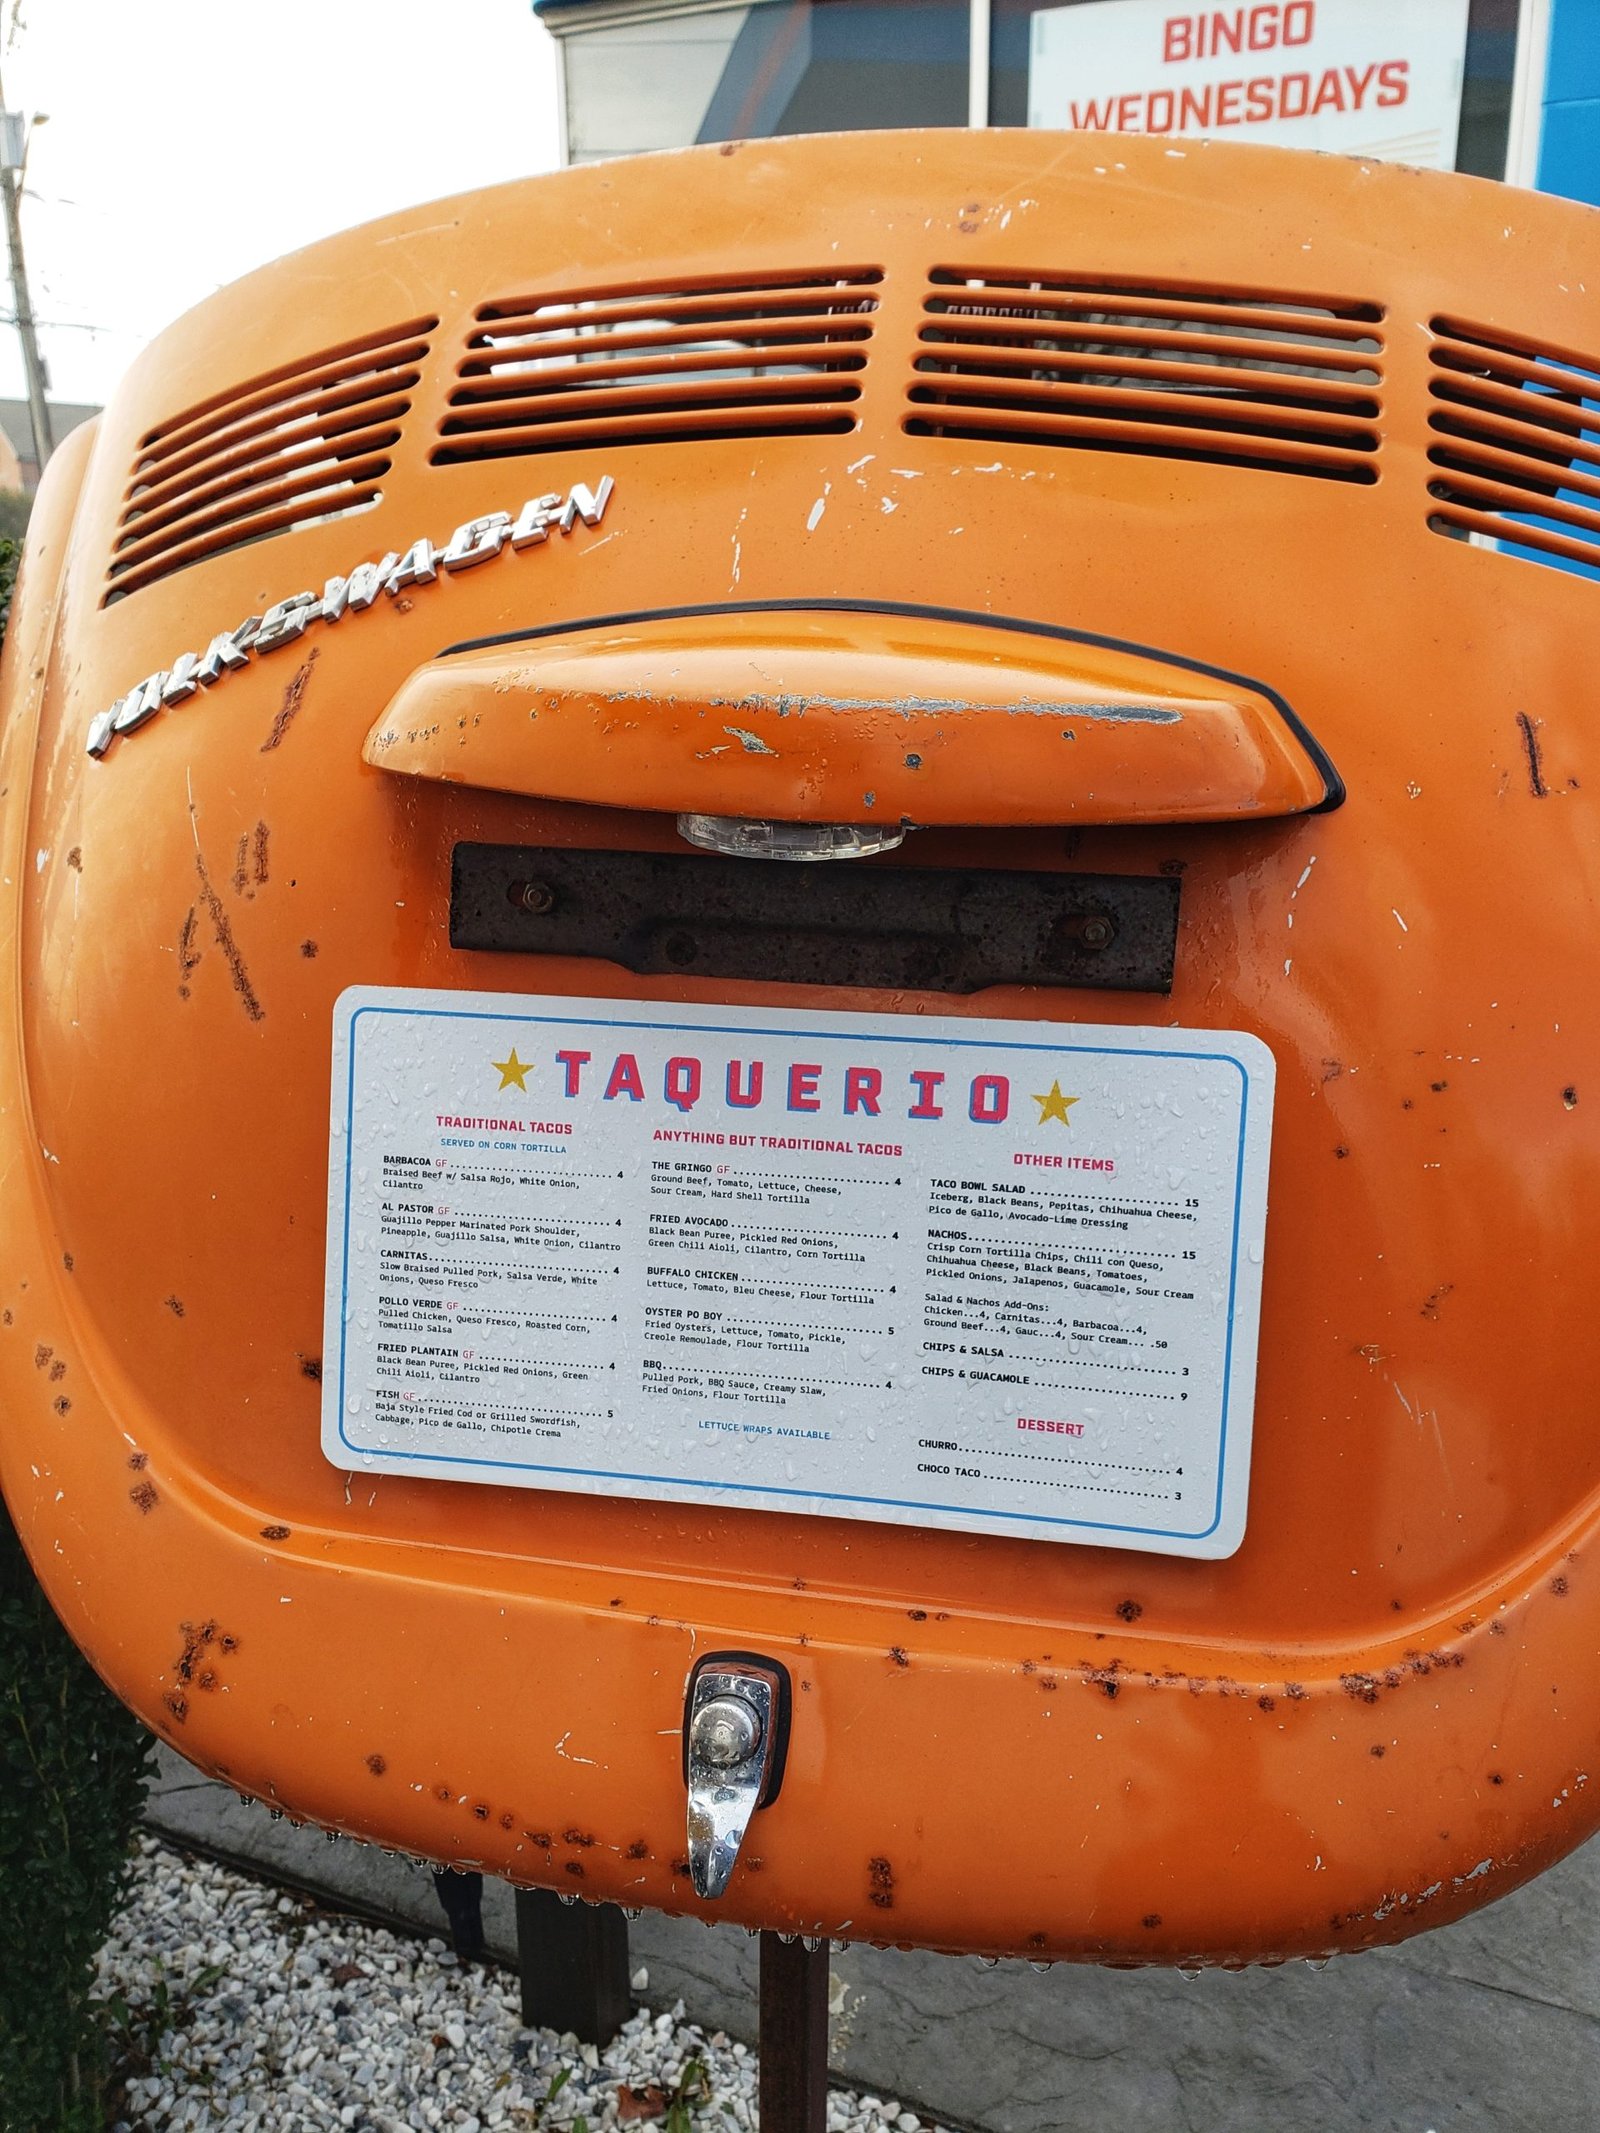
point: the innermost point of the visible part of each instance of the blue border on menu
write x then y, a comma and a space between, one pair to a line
708, 1489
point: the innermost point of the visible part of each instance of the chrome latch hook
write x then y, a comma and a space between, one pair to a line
735, 1730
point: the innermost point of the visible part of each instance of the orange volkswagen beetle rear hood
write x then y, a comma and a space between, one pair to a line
468, 551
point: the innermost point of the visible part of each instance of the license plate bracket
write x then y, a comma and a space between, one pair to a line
858, 922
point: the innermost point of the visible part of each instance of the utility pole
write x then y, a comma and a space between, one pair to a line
13, 158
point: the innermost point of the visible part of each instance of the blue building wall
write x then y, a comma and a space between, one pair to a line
1569, 143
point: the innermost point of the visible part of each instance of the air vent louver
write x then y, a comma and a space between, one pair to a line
1273, 382
299, 446
647, 365
1517, 445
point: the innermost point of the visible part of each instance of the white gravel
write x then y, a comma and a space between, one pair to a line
251, 2010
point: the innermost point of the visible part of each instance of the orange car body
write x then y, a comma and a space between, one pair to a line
1198, 412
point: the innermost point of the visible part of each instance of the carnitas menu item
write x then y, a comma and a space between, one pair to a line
997, 1276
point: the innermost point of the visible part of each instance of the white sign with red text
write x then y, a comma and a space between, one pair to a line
937, 1271
1377, 78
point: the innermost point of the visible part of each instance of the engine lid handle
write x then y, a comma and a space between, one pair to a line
806, 713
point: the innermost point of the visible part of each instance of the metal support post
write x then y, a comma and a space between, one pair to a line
14, 158
794, 2036
461, 1899
573, 1963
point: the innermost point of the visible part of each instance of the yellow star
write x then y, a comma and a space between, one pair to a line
1055, 1105
513, 1071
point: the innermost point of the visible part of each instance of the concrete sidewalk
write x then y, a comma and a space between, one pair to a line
1493, 2023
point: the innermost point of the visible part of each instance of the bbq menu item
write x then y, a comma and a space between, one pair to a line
937, 1271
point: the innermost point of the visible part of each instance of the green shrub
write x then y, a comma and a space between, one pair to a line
73, 1768
15, 509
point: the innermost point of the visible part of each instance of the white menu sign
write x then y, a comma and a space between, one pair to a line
996, 1276
1377, 78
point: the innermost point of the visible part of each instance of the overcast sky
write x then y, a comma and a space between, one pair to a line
190, 140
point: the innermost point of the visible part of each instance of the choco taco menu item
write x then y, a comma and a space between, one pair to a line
997, 1276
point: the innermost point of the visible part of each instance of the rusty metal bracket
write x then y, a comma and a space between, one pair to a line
933, 929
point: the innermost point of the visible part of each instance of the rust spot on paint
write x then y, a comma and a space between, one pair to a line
377, 1764
138, 1461
443, 1794
1559, 1586
880, 1884
638, 1849
754, 1866
311, 1367
1363, 1687
1497, 1629
578, 1837
1430, 1308
309, 950
1048, 1684
541, 1837
143, 1495
58, 1371
1129, 1610
1529, 728
1569, 1096
1267, 1703
75, 859
178, 1706
1150, 1921
188, 949
293, 697
573, 1867
175, 1305
1104, 1678
67, 1261
917, 1614
681, 1868
274, 1533
223, 929
41, 1356
198, 1639
898, 1654
480, 1809
1496, 1777
62, 1406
